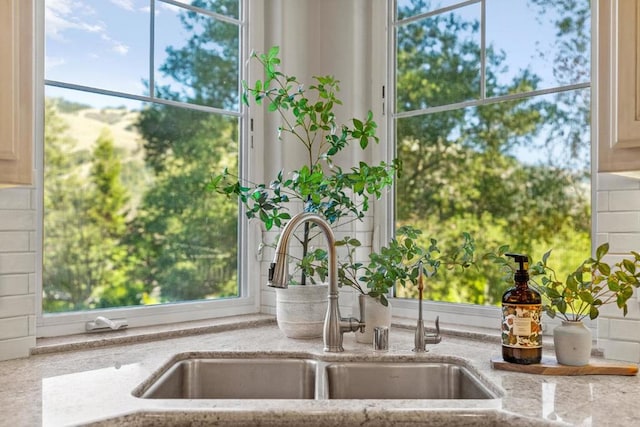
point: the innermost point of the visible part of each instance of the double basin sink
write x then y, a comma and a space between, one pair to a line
194, 376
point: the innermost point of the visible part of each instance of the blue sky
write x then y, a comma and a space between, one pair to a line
105, 43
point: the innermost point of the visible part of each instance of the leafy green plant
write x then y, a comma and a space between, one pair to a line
594, 283
399, 261
319, 185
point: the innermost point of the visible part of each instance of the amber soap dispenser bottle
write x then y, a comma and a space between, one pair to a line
521, 314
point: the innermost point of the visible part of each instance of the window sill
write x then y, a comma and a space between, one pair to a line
88, 341
147, 333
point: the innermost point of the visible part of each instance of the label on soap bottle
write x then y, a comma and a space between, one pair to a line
521, 325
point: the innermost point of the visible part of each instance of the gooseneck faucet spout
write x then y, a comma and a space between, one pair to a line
334, 325
423, 338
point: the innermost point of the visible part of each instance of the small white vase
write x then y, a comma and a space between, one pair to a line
375, 314
300, 310
572, 341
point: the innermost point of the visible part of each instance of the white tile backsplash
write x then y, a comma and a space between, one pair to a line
14, 241
18, 262
620, 350
17, 306
609, 181
627, 200
618, 222
602, 201
17, 272
15, 198
624, 242
15, 220
14, 327
14, 284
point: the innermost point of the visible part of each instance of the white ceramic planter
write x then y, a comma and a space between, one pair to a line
375, 314
572, 341
300, 310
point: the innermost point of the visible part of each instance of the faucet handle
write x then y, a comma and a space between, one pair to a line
432, 338
361, 319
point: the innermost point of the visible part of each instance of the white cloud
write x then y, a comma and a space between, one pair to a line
53, 62
116, 46
64, 15
169, 7
124, 4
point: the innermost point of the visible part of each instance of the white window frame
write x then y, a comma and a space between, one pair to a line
247, 302
455, 315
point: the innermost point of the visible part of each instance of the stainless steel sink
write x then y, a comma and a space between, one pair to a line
282, 377
372, 380
264, 378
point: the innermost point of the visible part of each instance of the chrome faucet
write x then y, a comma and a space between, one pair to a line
422, 338
334, 325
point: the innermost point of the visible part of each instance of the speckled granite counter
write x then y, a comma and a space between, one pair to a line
94, 385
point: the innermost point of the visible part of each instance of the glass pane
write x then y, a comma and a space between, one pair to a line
548, 38
197, 59
98, 43
435, 50
515, 173
229, 8
409, 8
127, 221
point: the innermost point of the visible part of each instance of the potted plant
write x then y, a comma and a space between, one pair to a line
398, 263
591, 285
318, 185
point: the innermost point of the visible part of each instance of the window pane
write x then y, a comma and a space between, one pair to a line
126, 219
89, 42
441, 48
547, 38
196, 59
229, 8
513, 173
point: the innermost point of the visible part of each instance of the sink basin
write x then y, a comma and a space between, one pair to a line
218, 378
384, 380
285, 377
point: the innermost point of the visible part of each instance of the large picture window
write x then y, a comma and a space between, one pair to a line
141, 105
492, 123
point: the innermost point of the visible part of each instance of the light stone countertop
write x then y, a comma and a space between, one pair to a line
90, 383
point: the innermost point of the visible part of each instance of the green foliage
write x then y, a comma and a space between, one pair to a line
592, 284
463, 167
320, 186
399, 262
185, 245
84, 223
66, 106
105, 246
159, 240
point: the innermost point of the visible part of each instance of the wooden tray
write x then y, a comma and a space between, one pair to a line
549, 366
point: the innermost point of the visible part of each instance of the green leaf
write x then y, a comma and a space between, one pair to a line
601, 251
604, 269
273, 51
629, 265
586, 297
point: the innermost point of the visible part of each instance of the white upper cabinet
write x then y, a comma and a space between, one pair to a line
16, 92
618, 85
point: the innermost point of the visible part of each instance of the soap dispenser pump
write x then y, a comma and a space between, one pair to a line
521, 318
